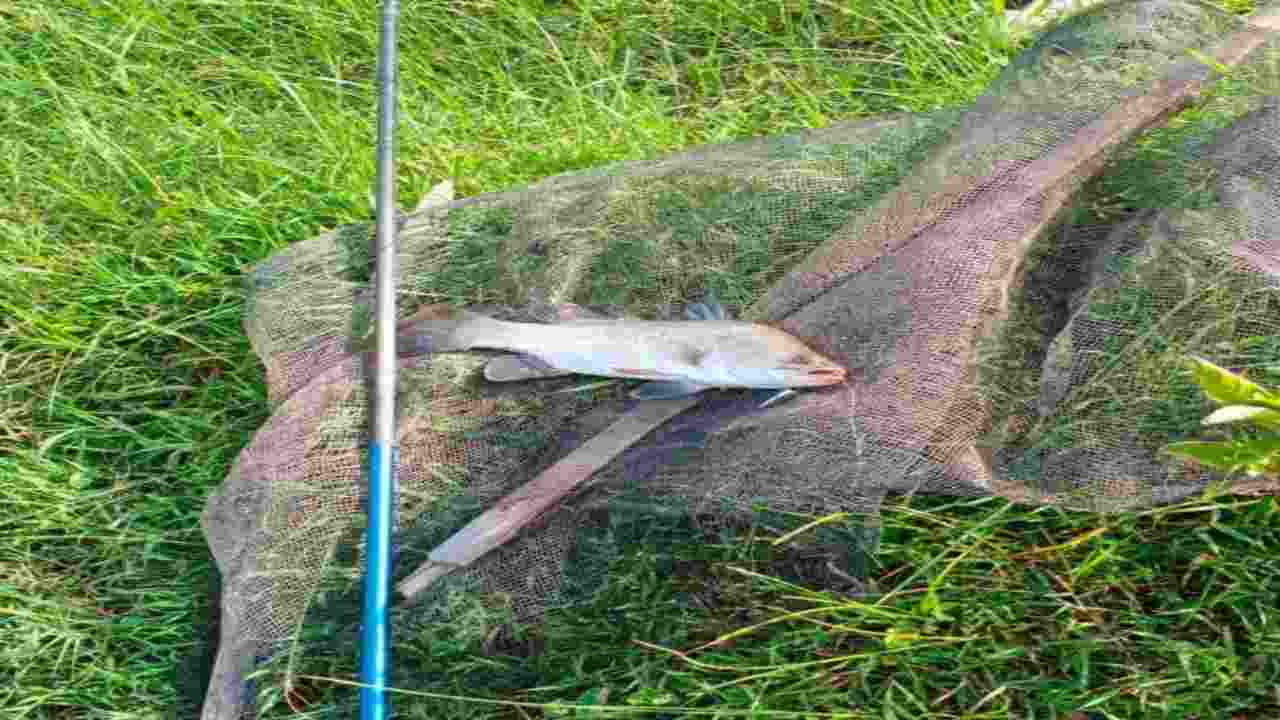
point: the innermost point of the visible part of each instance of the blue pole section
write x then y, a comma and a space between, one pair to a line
375, 654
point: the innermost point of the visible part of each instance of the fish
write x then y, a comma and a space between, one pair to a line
675, 358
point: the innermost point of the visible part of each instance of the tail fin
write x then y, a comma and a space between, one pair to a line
432, 329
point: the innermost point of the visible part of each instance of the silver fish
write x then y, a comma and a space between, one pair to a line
678, 358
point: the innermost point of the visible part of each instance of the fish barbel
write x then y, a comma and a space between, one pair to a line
678, 358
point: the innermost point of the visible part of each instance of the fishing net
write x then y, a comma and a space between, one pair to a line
1013, 285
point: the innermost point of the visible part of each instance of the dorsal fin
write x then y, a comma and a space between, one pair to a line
709, 309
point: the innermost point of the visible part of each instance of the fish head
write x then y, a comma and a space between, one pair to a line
769, 358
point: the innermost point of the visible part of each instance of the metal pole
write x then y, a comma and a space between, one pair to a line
376, 637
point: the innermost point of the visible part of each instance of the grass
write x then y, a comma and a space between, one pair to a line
151, 150
993, 611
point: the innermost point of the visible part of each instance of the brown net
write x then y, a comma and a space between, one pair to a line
1013, 287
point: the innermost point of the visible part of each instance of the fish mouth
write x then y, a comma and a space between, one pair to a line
829, 376
821, 376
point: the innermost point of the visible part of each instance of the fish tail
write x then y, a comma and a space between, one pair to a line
441, 328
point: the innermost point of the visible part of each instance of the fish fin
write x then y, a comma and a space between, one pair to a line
778, 397
712, 300
431, 329
697, 311
441, 194
433, 312
667, 389
709, 309
513, 368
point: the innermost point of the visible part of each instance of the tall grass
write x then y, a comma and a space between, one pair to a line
153, 148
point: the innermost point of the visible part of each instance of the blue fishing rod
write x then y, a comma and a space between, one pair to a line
375, 640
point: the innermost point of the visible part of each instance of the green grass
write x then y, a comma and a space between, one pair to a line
151, 150
1160, 614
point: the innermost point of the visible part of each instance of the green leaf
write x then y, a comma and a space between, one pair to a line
1218, 455
1260, 447
1265, 417
1228, 388
1256, 455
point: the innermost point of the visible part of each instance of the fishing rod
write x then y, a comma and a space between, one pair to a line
375, 640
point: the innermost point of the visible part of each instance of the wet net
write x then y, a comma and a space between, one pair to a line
1013, 286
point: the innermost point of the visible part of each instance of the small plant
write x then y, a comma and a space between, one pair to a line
1242, 401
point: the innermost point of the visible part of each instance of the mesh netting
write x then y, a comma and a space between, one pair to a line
1013, 286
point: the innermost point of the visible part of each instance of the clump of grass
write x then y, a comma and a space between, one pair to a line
987, 610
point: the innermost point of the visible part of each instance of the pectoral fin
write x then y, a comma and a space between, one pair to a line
667, 389
709, 309
779, 397
513, 368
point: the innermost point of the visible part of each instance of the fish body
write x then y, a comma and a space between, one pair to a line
678, 358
